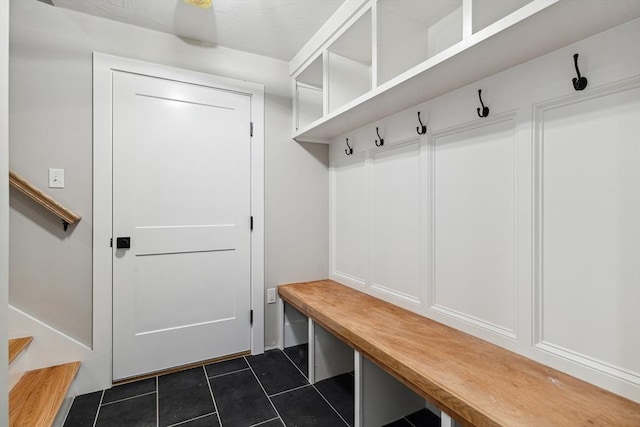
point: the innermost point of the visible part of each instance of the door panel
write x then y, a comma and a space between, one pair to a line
181, 191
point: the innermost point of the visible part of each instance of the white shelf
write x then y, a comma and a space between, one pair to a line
348, 65
539, 27
410, 32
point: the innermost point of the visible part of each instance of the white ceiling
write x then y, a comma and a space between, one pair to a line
275, 28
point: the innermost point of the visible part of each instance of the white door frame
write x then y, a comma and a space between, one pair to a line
4, 208
103, 68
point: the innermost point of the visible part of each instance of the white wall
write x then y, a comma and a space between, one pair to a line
51, 126
4, 205
520, 228
296, 214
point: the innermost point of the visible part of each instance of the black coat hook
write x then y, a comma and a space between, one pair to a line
348, 151
485, 110
422, 129
381, 140
580, 82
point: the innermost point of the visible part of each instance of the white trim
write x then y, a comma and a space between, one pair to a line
375, 45
410, 302
335, 26
334, 274
103, 67
4, 207
590, 362
467, 18
510, 333
446, 420
539, 341
52, 347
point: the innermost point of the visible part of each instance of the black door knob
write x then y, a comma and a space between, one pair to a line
123, 242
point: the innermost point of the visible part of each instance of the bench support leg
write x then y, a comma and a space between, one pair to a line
357, 389
312, 352
445, 420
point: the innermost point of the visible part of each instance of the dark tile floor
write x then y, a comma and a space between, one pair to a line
267, 390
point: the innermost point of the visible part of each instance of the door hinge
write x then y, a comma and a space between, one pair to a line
111, 243
251, 128
251, 317
251, 223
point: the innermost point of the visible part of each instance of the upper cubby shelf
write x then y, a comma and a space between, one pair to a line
384, 56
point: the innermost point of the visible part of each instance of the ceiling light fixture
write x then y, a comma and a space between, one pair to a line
204, 4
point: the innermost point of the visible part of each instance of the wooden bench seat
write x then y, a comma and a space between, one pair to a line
472, 380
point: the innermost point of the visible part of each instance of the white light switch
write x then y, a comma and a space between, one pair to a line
271, 295
56, 178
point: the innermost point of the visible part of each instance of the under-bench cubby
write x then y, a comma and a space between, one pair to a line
377, 397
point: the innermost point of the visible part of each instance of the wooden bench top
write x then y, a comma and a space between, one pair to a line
470, 379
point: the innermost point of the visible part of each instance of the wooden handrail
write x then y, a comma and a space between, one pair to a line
34, 193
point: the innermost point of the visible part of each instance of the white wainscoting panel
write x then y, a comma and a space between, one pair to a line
473, 273
349, 219
397, 220
522, 228
588, 229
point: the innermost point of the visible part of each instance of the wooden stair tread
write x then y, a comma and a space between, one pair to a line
37, 397
16, 346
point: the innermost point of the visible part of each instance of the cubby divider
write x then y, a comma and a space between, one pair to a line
349, 63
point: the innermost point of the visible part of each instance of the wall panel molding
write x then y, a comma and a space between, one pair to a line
480, 182
548, 335
441, 293
397, 211
590, 362
359, 240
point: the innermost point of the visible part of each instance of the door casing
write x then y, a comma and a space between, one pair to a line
103, 67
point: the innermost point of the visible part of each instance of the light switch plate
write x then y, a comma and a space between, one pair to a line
271, 295
56, 178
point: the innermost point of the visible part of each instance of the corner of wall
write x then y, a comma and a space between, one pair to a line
4, 206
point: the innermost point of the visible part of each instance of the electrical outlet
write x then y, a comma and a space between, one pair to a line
56, 178
271, 295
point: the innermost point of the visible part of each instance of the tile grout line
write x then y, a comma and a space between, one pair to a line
314, 387
407, 420
287, 391
330, 405
264, 391
294, 363
226, 373
192, 419
95, 420
128, 398
266, 421
215, 405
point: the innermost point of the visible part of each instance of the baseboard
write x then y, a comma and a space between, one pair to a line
17, 369
51, 347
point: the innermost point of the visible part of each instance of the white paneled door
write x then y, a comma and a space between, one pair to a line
181, 223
